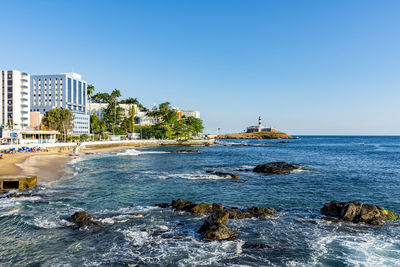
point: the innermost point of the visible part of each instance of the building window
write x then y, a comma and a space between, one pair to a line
69, 90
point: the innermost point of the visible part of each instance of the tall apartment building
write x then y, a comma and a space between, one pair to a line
14, 99
65, 90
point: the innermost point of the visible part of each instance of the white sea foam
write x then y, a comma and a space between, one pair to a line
134, 152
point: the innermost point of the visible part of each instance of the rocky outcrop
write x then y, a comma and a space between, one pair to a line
256, 135
357, 212
254, 212
214, 227
82, 219
185, 205
224, 174
276, 168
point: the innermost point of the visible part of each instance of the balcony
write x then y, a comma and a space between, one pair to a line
24, 86
24, 112
24, 74
24, 118
24, 93
24, 99
24, 105
24, 80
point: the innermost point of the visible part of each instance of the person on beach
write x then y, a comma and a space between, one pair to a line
1, 155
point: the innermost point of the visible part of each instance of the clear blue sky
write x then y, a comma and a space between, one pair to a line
307, 67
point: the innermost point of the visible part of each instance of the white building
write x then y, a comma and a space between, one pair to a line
141, 117
65, 90
14, 99
190, 113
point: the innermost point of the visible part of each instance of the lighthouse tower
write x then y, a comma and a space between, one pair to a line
259, 124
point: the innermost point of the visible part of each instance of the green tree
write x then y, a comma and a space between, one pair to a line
90, 90
100, 98
60, 120
131, 100
113, 114
84, 137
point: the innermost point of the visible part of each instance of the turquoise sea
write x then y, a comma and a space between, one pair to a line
121, 188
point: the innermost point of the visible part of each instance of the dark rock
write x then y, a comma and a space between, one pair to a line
215, 218
237, 214
239, 181
162, 205
260, 212
357, 212
224, 174
158, 233
276, 168
82, 219
220, 232
249, 245
15, 195
182, 204
206, 208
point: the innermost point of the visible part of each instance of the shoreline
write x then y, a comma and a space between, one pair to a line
49, 166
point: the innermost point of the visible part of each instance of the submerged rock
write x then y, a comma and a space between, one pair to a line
162, 205
82, 219
224, 174
250, 245
357, 212
16, 195
276, 168
239, 181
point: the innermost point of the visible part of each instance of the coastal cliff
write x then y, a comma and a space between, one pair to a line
256, 135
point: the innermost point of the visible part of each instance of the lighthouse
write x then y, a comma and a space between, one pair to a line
259, 124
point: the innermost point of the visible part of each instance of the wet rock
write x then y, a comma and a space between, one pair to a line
357, 212
206, 208
224, 174
239, 181
220, 232
244, 170
215, 218
237, 214
82, 219
145, 230
276, 168
15, 195
158, 233
260, 212
162, 205
249, 245
254, 212
184, 151
182, 204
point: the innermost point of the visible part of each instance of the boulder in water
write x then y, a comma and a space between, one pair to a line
357, 212
224, 174
276, 168
82, 219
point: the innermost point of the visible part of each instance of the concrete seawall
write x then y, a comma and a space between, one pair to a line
111, 144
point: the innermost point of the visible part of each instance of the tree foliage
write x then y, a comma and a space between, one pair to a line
60, 120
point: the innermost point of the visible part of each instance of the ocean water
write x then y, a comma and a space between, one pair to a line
121, 188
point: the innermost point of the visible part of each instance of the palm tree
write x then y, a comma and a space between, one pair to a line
90, 90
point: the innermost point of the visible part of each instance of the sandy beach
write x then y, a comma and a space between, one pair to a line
50, 165
47, 166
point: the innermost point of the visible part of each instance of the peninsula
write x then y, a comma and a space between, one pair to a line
256, 135
257, 132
